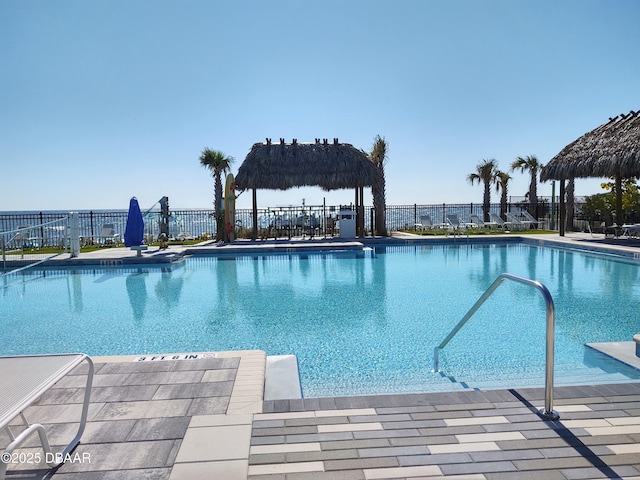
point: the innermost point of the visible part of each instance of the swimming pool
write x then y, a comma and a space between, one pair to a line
358, 325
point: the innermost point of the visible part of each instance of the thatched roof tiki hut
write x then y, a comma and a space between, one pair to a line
331, 166
610, 150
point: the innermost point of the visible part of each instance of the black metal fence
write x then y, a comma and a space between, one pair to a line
200, 223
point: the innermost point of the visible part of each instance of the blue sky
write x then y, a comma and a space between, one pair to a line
104, 100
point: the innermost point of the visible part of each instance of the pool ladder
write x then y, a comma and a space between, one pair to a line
547, 412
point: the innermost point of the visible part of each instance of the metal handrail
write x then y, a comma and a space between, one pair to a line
547, 412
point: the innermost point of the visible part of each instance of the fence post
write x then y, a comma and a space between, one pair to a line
41, 243
74, 233
91, 224
415, 214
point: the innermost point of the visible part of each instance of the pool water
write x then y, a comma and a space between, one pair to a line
357, 325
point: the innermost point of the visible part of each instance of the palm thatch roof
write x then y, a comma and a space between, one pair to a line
331, 166
610, 150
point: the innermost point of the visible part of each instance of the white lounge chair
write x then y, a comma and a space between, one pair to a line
497, 221
514, 222
456, 224
477, 222
21, 239
631, 230
425, 223
529, 219
108, 235
23, 380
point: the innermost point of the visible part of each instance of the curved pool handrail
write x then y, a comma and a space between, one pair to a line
547, 412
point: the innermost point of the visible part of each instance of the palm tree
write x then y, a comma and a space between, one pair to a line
378, 156
502, 185
218, 163
530, 164
485, 173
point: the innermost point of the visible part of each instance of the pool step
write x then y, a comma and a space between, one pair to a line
282, 379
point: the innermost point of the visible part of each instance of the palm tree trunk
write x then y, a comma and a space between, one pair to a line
379, 206
533, 194
486, 201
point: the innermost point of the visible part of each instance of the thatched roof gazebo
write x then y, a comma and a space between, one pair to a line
330, 166
610, 150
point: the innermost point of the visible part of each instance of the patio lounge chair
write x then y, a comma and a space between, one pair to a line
23, 380
529, 219
477, 222
21, 239
108, 235
497, 221
631, 230
425, 223
513, 222
456, 224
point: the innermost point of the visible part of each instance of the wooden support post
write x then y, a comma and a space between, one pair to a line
356, 211
361, 211
254, 232
563, 213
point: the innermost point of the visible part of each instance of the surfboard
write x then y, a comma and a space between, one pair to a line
230, 207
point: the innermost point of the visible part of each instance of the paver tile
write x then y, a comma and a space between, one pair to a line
402, 472
159, 429
463, 447
454, 422
286, 468
220, 420
617, 430
288, 447
144, 409
205, 444
227, 470
221, 375
625, 448
208, 406
489, 437
619, 421
393, 451
194, 390
347, 412
349, 427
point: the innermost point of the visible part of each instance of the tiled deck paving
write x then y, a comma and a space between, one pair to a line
473, 435
151, 419
205, 419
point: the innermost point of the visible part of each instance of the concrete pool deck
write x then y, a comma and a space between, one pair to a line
154, 255
206, 418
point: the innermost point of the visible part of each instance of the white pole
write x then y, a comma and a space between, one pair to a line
74, 225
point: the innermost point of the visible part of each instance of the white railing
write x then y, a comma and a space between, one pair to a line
32, 245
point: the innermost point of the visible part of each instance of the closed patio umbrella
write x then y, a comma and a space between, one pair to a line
134, 231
